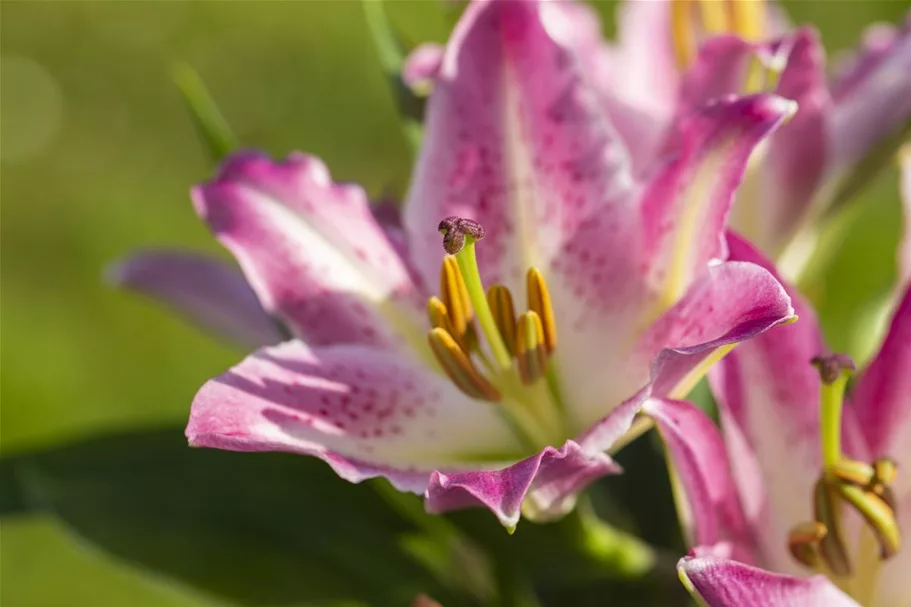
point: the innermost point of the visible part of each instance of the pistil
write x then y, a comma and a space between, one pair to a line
459, 237
834, 370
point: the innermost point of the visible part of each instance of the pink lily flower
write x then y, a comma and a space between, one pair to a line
604, 289
795, 484
671, 56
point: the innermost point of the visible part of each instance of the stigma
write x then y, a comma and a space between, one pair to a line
473, 328
844, 483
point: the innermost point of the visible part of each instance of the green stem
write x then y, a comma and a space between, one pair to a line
831, 399
468, 265
620, 552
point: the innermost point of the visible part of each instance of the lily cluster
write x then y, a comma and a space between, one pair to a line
562, 274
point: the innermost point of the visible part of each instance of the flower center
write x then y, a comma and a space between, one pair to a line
692, 21
844, 483
516, 352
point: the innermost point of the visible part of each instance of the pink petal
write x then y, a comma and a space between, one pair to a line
206, 290
882, 396
779, 190
904, 260
768, 397
422, 66
556, 475
364, 410
709, 504
310, 248
685, 206
547, 482
872, 98
514, 139
722, 583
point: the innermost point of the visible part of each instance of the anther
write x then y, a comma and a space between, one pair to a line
885, 471
539, 302
459, 368
456, 229
531, 351
803, 542
878, 515
455, 296
833, 366
827, 511
504, 314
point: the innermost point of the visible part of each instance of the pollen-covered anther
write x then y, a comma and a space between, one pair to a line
504, 314
455, 297
531, 351
833, 366
803, 542
456, 229
539, 303
459, 367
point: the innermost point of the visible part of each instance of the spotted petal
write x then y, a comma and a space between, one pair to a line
514, 139
206, 290
722, 583
633, 264
364, 410
311, 249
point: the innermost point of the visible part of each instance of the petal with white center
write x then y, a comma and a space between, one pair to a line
364, 410
514, 139
311, 250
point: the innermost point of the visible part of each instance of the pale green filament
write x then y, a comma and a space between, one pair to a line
468, 265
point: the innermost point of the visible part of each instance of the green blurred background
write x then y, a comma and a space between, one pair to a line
98, 153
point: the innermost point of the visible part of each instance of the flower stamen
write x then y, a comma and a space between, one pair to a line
844, 482
531, 349
459, 367
539, 303
454, 295
504, 314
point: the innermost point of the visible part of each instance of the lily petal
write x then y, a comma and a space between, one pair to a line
722, 583
768, 398
706, 493
544, 485
206, 290
311, 249
872, 97
904, 260
514, 139
882, 398
364, 410
769, 211
685, 206
422, 66
554, 476
603, 289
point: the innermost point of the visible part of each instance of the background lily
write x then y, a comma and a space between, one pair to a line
757, 496
628, 273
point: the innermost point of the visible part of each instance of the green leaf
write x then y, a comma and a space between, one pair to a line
258, 528
209, 121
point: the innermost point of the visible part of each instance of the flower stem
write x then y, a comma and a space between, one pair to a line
468, 265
